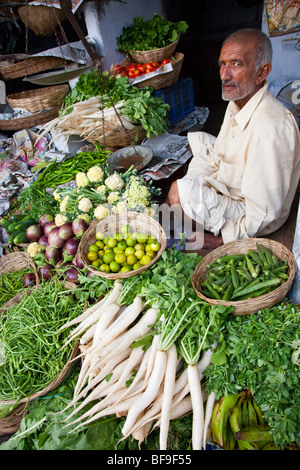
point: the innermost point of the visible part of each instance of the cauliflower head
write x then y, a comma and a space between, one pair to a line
113, 197
101, 211
114, 182
85, 204
33, 249
60, 219
136, 194
63, 204
57, 196
121, 207
81, 179
95, 174
101, 189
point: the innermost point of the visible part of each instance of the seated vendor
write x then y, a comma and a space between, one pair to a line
242, 183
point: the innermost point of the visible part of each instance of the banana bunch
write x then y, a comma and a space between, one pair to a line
237, 422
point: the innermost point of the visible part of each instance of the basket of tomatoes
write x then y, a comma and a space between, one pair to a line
158, 75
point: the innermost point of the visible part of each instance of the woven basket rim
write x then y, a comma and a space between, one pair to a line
159, 49
251, 305
37, 91
113, 220
167, 79
29, 121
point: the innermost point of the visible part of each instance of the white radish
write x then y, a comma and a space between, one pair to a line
168, 392
198, 410
105, 320
150, 392
210, 403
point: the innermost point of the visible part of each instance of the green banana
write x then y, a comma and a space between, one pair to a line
252, 417
229, 439
244, 445
245, 417
271, 446
235, 416
258, 412
254, 434
219, 420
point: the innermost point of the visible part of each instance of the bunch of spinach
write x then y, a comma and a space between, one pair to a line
151, 34
261, 353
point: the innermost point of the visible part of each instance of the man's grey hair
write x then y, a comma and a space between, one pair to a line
264, 47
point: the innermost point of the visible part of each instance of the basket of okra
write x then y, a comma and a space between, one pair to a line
248, 274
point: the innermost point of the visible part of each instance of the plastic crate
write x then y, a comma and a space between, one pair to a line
180, 97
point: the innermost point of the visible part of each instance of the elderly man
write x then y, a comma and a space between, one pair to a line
242, 183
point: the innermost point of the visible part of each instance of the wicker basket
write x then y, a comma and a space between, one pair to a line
15, 262
41, 19
112, 224
10, 423
30, 121
119, 137
30, 66
155, 55
39, 99
165, 80
244, 307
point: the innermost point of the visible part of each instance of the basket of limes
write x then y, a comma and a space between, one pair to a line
122, 245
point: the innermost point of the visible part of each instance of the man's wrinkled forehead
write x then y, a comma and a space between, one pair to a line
242, 50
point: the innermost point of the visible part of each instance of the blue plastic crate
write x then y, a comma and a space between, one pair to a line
180, 97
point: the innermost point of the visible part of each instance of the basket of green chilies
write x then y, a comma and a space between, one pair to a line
249, 274
33, 357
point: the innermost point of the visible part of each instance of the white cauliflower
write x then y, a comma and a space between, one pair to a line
114, 182
60, 219
136, 194
33, 249
112, 197
63, 204
82, 179
85, 217
85, 204
101, 211
95, 174
101, 188
121, 207
56, 196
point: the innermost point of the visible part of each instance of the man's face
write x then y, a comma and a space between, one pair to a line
238, 72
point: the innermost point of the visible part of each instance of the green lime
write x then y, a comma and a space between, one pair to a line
96, 263
100, 244
139, 246
137, 265
118, 236
104, 268
114, 267
93, 247
112, 242
121, 258
108, 257
139, 254
125, 228
151, 253
145, 259
130, 241
155, 246
151, 239
92, 256
122, 245
106, 240
126, 268
129, 251
131, 260
142, 238
100, 236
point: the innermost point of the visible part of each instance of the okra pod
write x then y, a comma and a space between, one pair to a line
251, 268
254, 288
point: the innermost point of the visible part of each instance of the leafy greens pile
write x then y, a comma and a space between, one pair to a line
152, 34
261, 353
140, 105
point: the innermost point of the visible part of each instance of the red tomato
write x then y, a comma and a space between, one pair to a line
149, 68
132, 66
141, 68
155, 65
130, 73
136, 73
165, 61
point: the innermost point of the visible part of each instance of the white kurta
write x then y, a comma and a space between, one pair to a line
244, 181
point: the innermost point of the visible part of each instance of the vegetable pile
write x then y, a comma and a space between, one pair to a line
133, 70
150, 34
100, 105
238, 277
29, 333
122, 252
